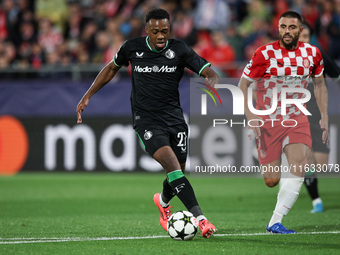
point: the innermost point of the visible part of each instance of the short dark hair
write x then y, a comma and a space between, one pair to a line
157, 14
291, 14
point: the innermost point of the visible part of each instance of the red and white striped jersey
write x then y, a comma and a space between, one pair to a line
273, 66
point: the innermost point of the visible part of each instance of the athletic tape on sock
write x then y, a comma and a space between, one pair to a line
174, 175
309, 171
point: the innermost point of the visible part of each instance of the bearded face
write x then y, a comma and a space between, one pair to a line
289, 32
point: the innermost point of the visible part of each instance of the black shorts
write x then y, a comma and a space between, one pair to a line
154, 136
316, 133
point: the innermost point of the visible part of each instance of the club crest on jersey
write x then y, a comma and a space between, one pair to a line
170, 54
306, 63
139, 55
147, 135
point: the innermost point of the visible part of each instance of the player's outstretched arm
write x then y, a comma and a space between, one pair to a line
321, 96
244, 85
104, 76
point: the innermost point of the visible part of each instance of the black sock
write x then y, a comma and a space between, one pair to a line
185, 193
311, 183
167, 193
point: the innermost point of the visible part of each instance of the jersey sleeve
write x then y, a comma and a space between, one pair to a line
319, 64
331, 67
121, 57
193, 61
256, 67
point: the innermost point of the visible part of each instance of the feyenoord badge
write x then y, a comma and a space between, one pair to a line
147, 135
170, 54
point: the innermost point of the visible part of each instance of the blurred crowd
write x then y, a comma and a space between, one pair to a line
60, 33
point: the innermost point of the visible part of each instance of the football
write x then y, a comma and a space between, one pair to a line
182, 226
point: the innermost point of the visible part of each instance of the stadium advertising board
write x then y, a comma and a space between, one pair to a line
110, 144
42, 134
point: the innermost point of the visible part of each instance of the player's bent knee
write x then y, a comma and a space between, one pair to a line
271, 182
167, 158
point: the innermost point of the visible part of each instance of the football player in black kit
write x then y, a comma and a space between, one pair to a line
157, 65
319, 156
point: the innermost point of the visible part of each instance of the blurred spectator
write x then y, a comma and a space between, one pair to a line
54, 10
3, 25
170, 6
27, 36
128, 8
88, 36
11, 21
257, 13
63, 32
334, 32
117, 40
83, 57
104, 51
74, 23
144, 7
49, 37
235, 41
183, 28
23, 64
5, 58
260, 40
113, 26
26, 11
137, 27
203, 42
323, 22
27, 32
220, 54
280, 6
52, 59
298, 6
37, 56
310, 12
111, 7
9, 51
4, 61
212, 15
103, 11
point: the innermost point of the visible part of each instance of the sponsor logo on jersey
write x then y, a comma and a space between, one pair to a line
170, 54
139, 55
155, 69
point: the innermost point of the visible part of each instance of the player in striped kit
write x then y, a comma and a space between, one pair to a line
278, 67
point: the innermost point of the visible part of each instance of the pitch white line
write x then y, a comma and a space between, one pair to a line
82, 239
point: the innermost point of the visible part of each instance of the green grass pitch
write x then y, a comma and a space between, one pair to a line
111, 213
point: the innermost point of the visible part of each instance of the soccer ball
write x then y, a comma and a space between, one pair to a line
182, 226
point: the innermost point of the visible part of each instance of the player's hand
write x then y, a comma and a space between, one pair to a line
80, 108
211, 82
255, 128
324, 127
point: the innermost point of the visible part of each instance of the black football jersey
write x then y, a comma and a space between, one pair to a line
156, 76
331, 70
